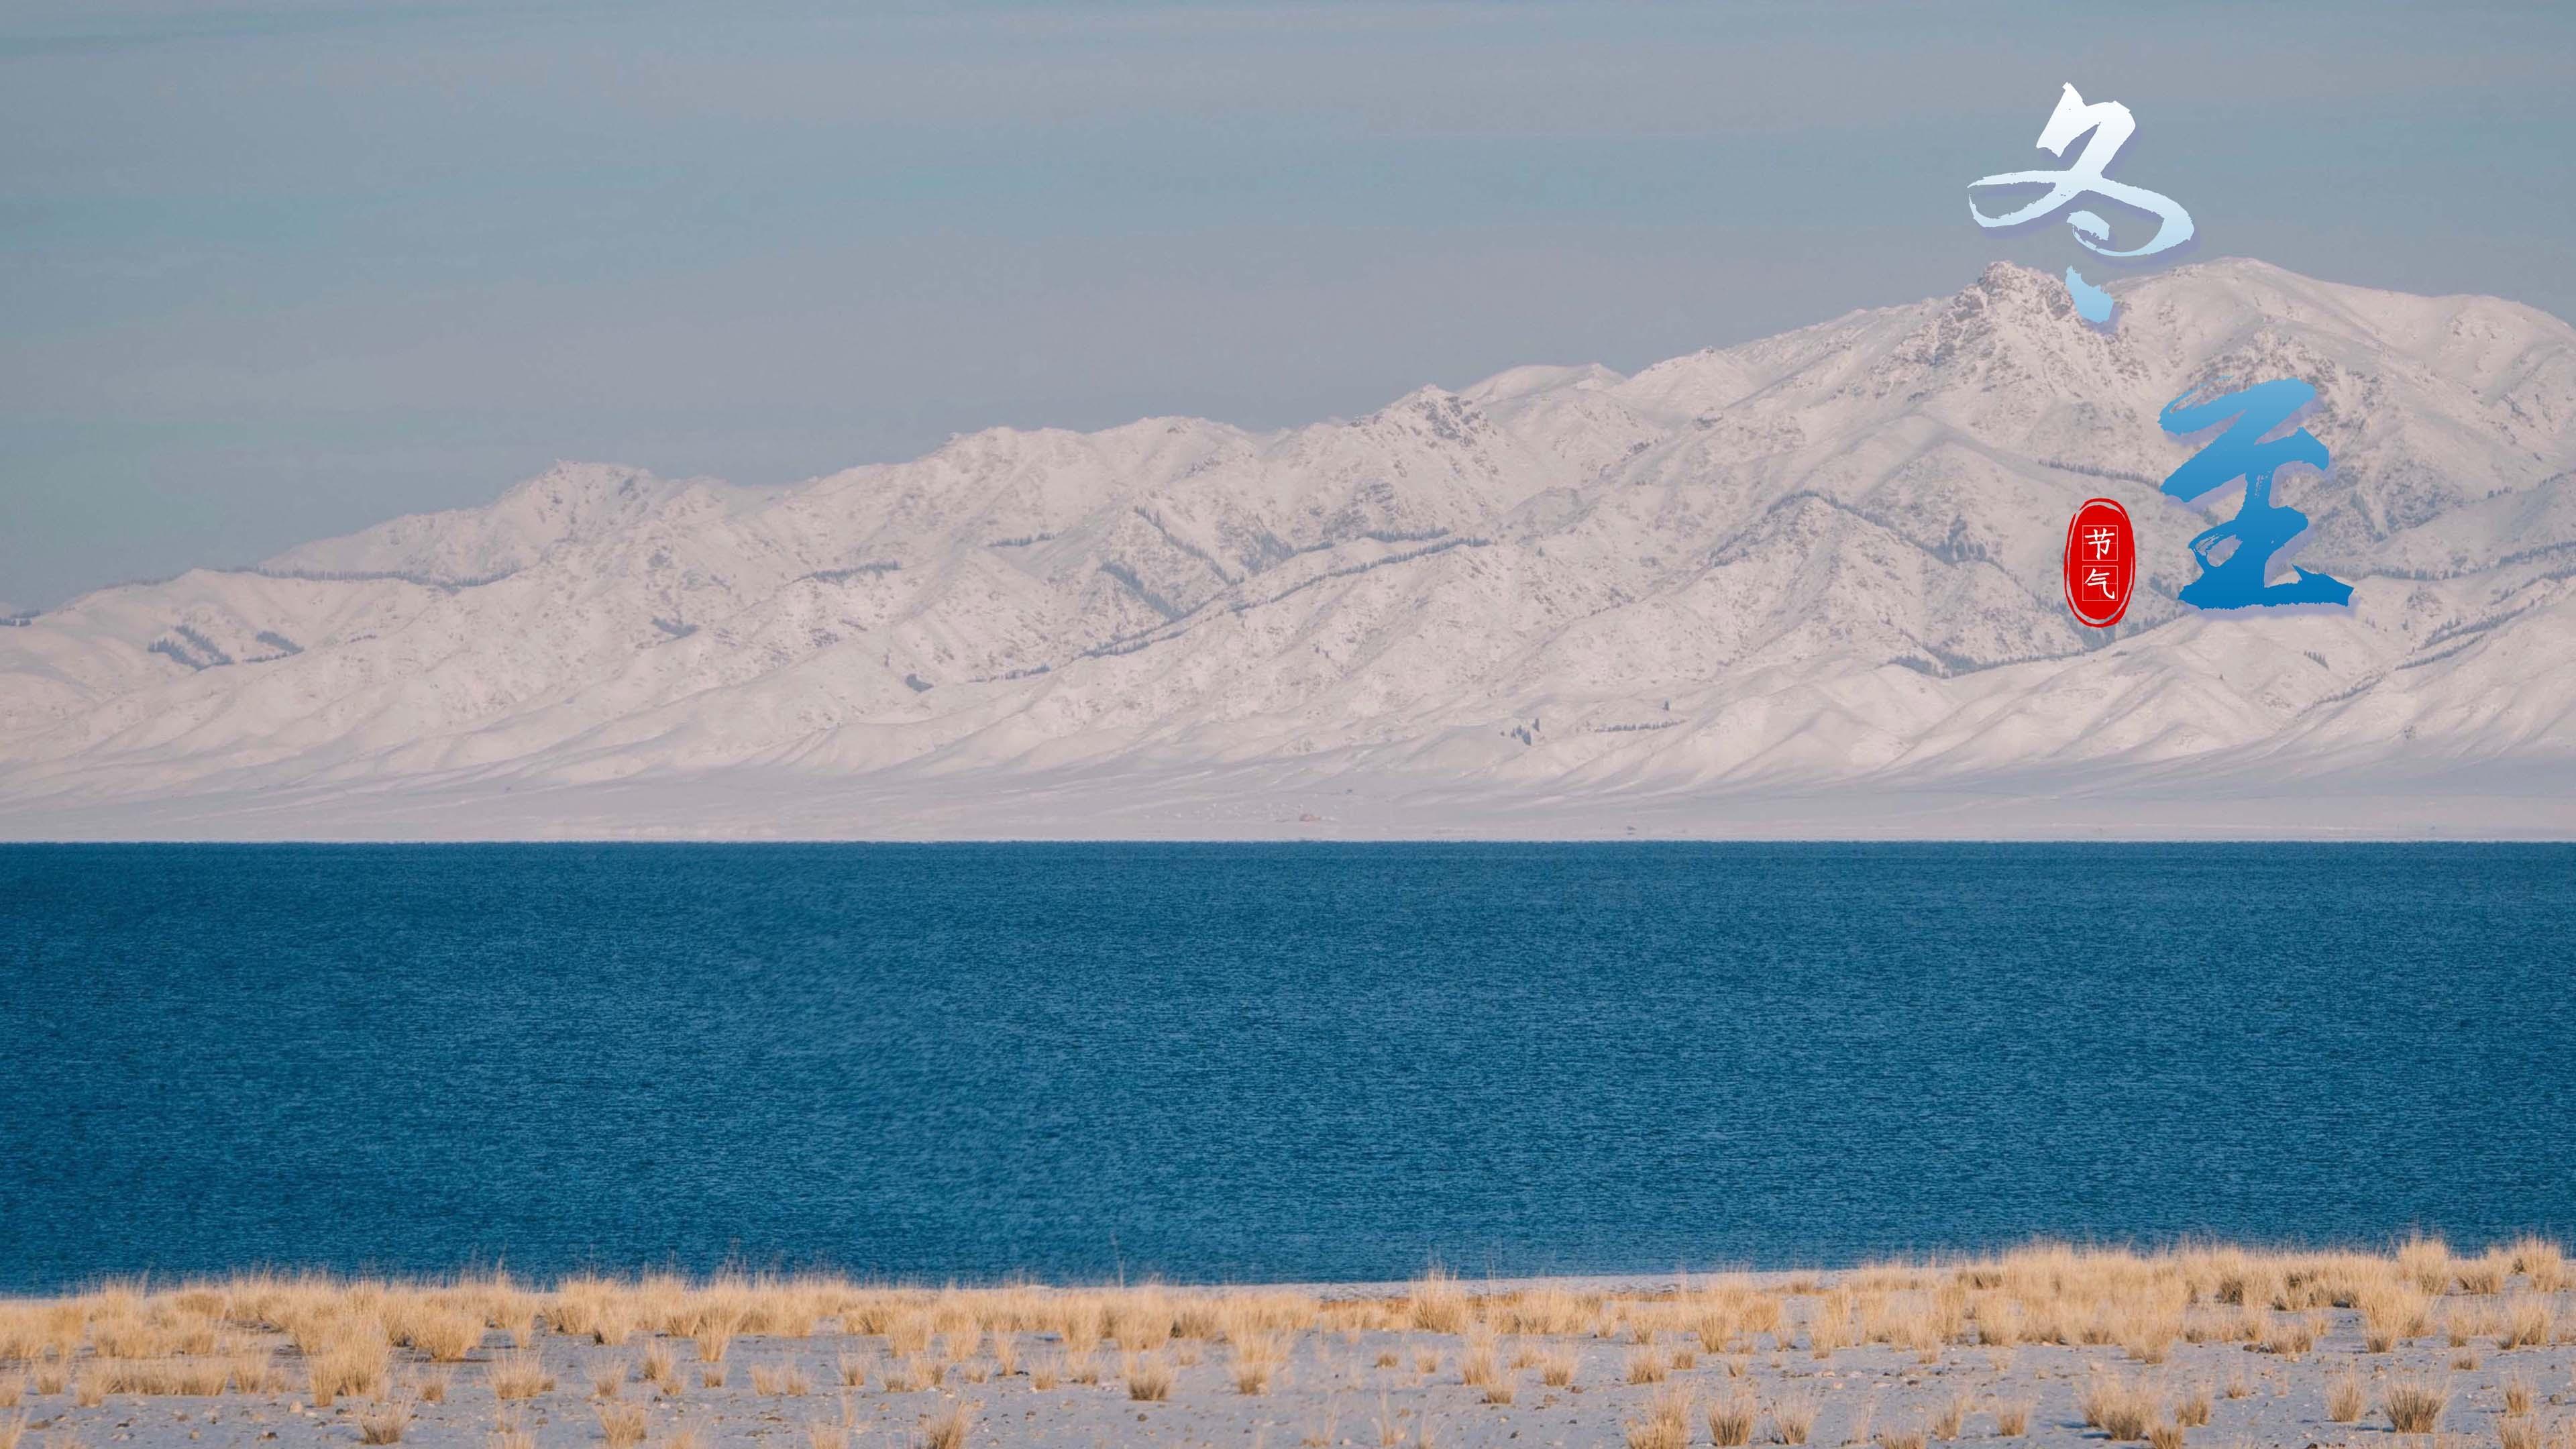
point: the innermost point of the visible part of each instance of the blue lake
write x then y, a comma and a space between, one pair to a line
1264, 1062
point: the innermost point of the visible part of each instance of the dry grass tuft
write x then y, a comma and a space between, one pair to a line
2120, 1408
2414, 1405
2346, 1398
2012, 1418
1437, 1305
1556, 1367
2517, 1431
447, 1337
1830, 1326
2289, 1335
519, 1375
2529, 1322
349, 1365
1900, 1438
2517, 1394
1666, 1423
621, 1426
2542, 1263
429, 1388
1645, 1366
2428, 1262
1257, 1354
2392, 1311
2167, 1435
659, 1367
1792, 1418
2484, 1275
948, 1430
714, 1336
1149, 1379
383, 1423
2194, 1410
1731, 1420
1951, 1417
12, 1429
1478, 1365
508, 1434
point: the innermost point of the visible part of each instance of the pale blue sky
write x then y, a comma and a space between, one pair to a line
274, 272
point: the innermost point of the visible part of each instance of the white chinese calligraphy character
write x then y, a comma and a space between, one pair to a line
2111, 125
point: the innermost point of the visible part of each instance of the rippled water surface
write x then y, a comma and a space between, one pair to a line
1242, 1062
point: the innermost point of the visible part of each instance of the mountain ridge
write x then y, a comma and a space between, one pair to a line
1816, 565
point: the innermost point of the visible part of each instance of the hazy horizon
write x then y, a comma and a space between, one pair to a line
280, 272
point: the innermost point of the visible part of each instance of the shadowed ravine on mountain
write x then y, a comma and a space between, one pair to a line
1805, 585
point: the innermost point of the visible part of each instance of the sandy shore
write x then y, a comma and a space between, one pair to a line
1377, 1365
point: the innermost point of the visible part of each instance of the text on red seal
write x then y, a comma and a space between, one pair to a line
2101, 562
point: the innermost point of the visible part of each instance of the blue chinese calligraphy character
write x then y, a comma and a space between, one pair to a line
2261, 526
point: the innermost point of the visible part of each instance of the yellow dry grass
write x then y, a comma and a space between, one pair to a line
2347, 1398
621, 1426
2121, 1408
1665, 1424
371, 1338
383, 1423
518, 1374
2414, 1404
2517, 1394
1793, 1418
948, 1430
1731, 1420
1149, 1378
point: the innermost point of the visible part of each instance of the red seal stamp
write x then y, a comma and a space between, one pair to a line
2101, 562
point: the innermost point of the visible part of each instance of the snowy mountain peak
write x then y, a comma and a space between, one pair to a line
568, 503
1817, 566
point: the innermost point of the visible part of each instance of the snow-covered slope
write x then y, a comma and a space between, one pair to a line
1819, 568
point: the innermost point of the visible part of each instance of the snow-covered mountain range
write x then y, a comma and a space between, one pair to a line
1805, 585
